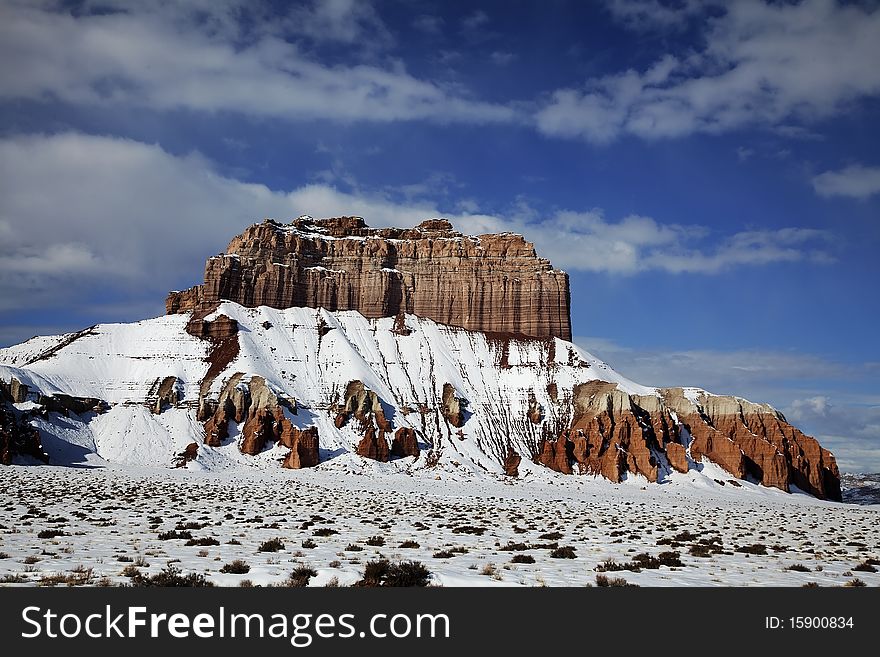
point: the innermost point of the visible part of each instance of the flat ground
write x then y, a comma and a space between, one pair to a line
86, 525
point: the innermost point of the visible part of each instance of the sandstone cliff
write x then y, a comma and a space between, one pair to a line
613, 433
490, 283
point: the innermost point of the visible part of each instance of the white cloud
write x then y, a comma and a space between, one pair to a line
761, 65
855, 181
81, 212
588, 241
170, 56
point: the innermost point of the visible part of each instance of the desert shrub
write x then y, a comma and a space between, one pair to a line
300, 577
700, 550
51, 533
170, 576
523, 558
190, 525
604, 580
866, 567
130, 571
565, 552
669, 559
610, 565
203, 542
515, 547
469, 529
444, 554
354, 547
375, 541
757, 548
409, 544
272, 545
552, 536
174, 534
309, 544
381, 572
324, 532
236, 567
855, 582
798, 567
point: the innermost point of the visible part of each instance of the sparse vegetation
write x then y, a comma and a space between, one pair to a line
300, 577
236, 567
604, 581
272, 545
171, 576
404, 573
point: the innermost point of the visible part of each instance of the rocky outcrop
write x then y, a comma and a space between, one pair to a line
405, 443
164, 394
511, 463
492, 283
17, 436
261, 417
613, 433
373, 446
303, 448
362, 404
183, 457
453, 406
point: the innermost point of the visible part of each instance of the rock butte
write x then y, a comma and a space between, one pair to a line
490, 283
539, 400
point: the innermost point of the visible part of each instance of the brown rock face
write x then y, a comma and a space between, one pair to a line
164, 394
493, 283
405, 443
453, 406
373, 446
260, 414
613, 433
511, 463
303, 448
677, 455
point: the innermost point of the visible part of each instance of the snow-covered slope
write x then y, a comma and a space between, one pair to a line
159, 384
122, 363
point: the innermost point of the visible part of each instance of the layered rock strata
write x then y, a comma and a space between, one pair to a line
492, 283
613, 433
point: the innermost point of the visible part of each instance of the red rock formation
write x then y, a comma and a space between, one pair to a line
188, 454
373, 446
453, 406
261, 415
303, 448
677, 455
511, 463
164, 394
613, 433
491, 283
405, 443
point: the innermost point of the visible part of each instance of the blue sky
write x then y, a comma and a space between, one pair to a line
708, 173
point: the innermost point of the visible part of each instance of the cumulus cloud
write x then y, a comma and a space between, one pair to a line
762, 64
588, 241
205, 57
851, 431
82, 212
855, 181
